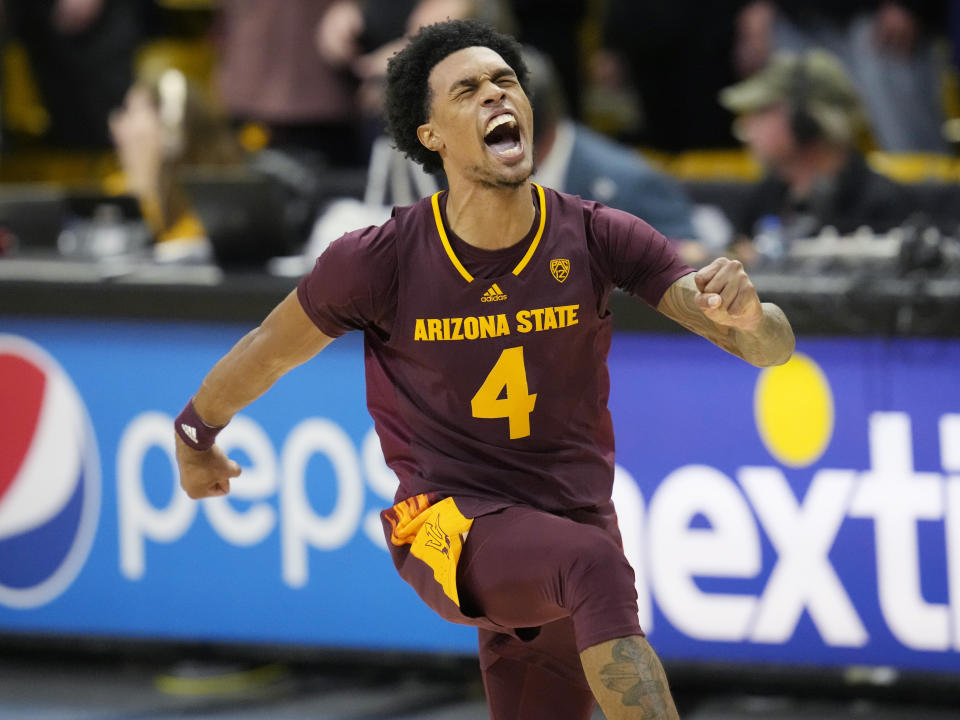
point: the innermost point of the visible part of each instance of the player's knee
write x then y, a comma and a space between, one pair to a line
599, 566
600, 595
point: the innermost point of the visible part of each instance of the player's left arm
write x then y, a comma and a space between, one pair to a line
720, 303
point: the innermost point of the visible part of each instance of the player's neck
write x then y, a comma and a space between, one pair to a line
490, 218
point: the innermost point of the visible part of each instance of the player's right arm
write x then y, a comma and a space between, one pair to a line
285, 339
352, 286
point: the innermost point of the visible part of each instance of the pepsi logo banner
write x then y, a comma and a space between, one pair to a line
808, 514
49, 477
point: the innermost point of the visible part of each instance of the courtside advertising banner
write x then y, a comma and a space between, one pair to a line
801, 515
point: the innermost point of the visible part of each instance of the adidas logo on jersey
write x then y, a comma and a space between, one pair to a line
494, 294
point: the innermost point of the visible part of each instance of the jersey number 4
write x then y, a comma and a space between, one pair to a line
504, 394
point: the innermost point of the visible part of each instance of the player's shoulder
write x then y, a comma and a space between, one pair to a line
589, 209
603, 222
419, 211
569, 207
378, 242
380, 239
365, 252
557, 200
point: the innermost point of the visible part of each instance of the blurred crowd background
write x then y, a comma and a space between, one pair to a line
249, 133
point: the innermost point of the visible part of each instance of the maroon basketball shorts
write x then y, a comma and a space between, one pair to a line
518, 570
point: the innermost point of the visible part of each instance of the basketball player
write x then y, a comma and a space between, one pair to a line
484, 313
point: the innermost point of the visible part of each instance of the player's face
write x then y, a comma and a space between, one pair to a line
480, 119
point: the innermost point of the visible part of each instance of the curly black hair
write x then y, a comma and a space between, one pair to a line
408, 73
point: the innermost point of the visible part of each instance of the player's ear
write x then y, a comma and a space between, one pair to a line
428, 138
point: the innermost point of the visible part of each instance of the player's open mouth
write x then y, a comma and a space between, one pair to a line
502, 137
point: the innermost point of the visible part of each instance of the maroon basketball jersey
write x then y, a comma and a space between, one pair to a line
489, 389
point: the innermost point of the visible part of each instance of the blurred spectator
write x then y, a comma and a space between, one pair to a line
799, 116
272, 73
310, 70
360, 36
574, 159
363, 34
81, 53
887, 47
676, 56
165, 127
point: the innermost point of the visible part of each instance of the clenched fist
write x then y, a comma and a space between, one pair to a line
727, 296
205, 473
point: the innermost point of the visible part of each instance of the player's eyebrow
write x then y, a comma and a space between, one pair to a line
472, 82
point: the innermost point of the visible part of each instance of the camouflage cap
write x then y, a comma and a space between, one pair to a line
817, 75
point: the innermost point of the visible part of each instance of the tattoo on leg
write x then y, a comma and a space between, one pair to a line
635, 673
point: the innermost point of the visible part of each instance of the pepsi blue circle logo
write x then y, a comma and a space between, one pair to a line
49, 476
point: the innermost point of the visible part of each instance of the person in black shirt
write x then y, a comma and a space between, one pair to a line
800, 117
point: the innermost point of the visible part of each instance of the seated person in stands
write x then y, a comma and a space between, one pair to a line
800, 117
574, 159
164, 127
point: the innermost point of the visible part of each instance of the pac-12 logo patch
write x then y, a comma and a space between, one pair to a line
49, 477
560, 269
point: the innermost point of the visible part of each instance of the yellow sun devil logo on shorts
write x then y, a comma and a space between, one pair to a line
435, 533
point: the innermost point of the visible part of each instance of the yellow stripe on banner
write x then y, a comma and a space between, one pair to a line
536, 240
435, 201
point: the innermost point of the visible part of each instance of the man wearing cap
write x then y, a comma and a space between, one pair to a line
800, 117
